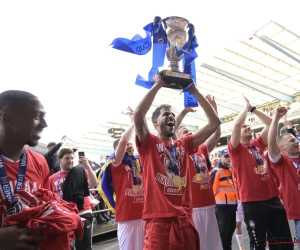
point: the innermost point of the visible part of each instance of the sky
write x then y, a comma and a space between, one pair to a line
59, 50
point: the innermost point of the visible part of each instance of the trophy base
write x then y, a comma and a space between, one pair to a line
176, 80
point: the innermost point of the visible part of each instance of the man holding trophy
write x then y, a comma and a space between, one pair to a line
167, 201
167, 204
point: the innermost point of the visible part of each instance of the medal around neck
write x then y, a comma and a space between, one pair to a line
135, 189
177, 180
198, 177
260, 168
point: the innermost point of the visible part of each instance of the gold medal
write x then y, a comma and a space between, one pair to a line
198, 177
176, 180
260, 169
135, 189
168, 72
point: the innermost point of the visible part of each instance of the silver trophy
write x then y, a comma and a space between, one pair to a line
176, 29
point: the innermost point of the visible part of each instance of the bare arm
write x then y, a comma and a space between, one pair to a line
238, 124
212, 141
92, 179
121, 149
181, 115
140, 123
273, 148
267, 121
214, 122
236, 131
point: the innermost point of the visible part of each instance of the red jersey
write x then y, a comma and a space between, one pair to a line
255, 183
37, 176
162, 198
202, 194
46, 208
129, 205
288, 173
63, 176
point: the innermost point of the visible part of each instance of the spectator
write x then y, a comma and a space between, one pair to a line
214, 162
72, 184
51, 157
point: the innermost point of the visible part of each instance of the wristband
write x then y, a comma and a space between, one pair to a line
252, 109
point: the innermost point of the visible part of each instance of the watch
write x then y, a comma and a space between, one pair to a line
252, 109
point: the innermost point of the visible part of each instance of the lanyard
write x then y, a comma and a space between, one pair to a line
296, 163
172, 158
134, 170
20, 179
255, 154
196, 163
58, 187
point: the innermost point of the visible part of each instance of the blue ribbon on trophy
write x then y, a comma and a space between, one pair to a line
171, 43
160, 40
188, 64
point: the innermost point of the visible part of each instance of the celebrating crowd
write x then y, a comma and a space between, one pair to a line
169, 196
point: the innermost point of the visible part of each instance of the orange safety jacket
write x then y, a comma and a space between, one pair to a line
224, 188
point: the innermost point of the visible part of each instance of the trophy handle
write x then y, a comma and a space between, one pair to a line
164, 21
156, 21
191, 34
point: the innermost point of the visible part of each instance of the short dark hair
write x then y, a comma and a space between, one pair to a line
280, 138
283, 130
51, 144
64, 151
156, 112
115, 144
11, 100
181, 126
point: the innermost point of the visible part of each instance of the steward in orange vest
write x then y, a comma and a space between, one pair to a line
225, 191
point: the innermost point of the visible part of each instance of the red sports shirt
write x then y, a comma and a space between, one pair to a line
202, 194
53, 187
129, 205
162, 198
254, 183
46, 208
37, 176
289, 175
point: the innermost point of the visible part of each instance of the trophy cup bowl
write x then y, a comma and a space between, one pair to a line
176, 29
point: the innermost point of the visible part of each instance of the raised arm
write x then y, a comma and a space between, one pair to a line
181, 115
212, 141
214, 122
53, 150
92, 179
267, 121
239, 122
139, 115
121, 149
289, 126
273, 148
